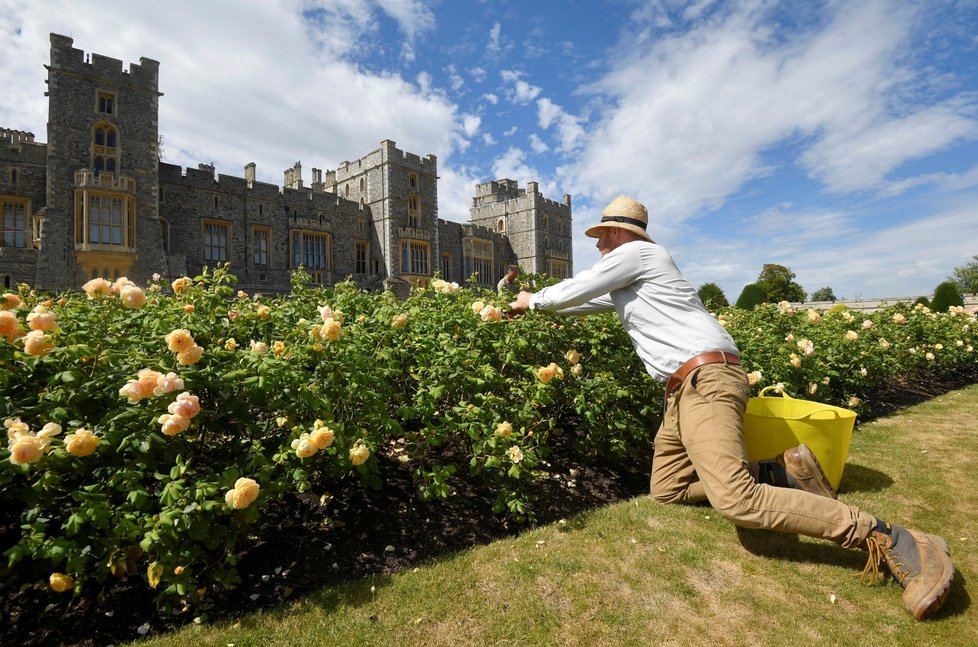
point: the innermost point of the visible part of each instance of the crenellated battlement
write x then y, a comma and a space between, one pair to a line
65, 57
9, 136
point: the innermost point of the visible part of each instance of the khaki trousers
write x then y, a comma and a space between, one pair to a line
699, 456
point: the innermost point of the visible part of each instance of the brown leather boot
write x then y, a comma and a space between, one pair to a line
920, 562
797, 468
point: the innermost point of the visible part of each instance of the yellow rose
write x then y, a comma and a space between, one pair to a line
81, 443
572, 357
359, 453
230, 344
243, 494
278, 347
331, 330
9, 325
491, 313
179, 340
852, 335
546, 373
59, 582
899, 318
477, 307
577, 370
814, 316
37, 343
190, 356
515, 454
399, 321
794, 360
259, 346
504, 429
304, 447
25, 449
754, 377
264, 311
322, 437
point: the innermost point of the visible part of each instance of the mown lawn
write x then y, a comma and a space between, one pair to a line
640, 573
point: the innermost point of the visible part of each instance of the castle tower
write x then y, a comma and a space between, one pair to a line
399, 191
539, 229
101, 217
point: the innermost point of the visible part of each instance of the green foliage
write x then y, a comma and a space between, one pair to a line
712, 297
824, 294
924, 301
778, 283
946, 294
966, 276
752, 296
438, 381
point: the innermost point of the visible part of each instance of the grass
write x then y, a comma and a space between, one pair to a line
641, 573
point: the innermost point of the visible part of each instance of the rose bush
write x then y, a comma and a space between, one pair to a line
148, 427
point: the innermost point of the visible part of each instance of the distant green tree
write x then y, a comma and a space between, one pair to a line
778, 283
946, 294
823, 294
712, 296
966, 277
924, 301
753, 295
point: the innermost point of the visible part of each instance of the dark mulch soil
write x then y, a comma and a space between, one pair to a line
303, 546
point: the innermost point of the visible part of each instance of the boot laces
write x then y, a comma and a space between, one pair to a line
871, 572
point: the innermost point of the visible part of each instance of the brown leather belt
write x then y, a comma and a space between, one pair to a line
712, 357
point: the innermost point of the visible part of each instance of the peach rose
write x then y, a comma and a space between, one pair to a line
97, 288
515, 454
504, 429
399, 321
477, 307
173, 425
9, 301
81, 443
25, 449
59, 582
179, 340
325, 312
259, 346
190, 356
148, 381
491, 313
264, 311
168, 384
547, 373
132, 297
182, 284
243, 494
9, 326
577, 370
37, 343
131, 392
185, 405
572, 356
359, 453
278, 347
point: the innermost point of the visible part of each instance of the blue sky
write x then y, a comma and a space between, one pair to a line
839, 139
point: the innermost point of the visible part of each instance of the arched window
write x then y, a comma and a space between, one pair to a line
363, 185
501, 225
104, 148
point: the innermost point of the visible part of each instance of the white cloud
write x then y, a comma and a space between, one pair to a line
547, 111
488, 139
511, 131
491, 98
470, 124
537, 144
521, 92
494, 47
478, 74
688, 116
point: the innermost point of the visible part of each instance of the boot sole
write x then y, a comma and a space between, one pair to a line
819, 484
935, 598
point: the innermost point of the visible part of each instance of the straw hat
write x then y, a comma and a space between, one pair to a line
625, 213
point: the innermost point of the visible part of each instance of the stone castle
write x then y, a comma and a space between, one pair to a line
96, 201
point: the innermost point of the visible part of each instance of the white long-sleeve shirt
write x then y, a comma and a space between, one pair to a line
660, 310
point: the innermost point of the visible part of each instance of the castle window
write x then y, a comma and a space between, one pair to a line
346, 190
361, 204
260, 237
546, 222
413, 180
501, 225
446, 266
557, 268
479, 259
215, 203
363, 185
106, 103
38, 230
414, 212
13, 219
414, 257
104, 150
312, 250
13, 176
217, 236
165, 234
104, 218
162, 194
361, 253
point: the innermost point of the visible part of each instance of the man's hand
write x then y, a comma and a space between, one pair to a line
521, 305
